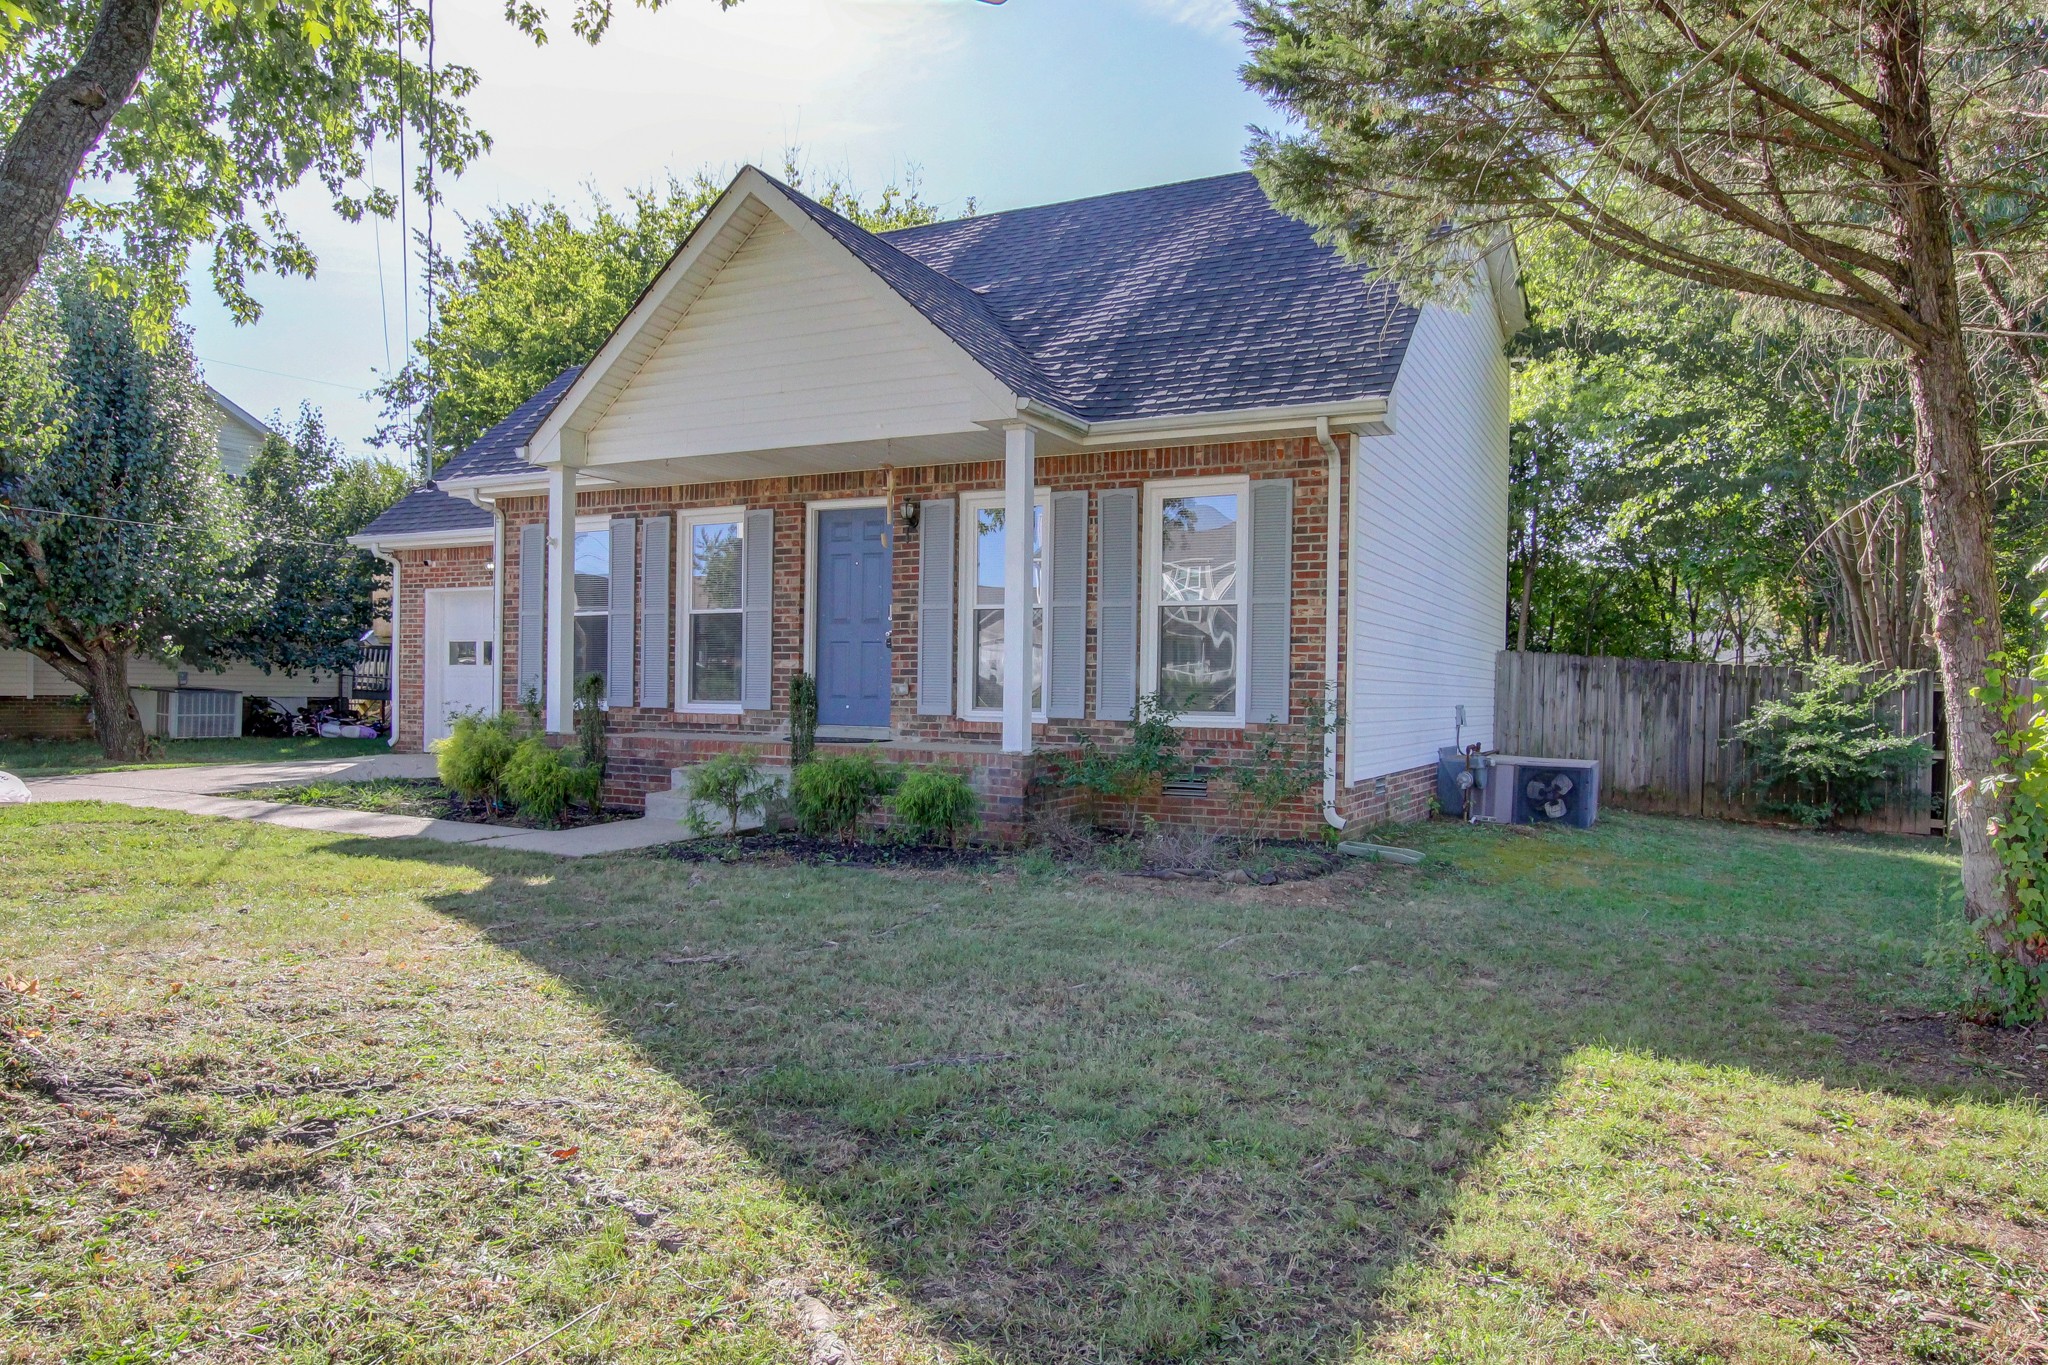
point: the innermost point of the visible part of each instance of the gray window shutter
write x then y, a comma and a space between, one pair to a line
1066, 609
1268, 608
618, 651
1116, 664
757, 617
656, 583
533, 612
935, 541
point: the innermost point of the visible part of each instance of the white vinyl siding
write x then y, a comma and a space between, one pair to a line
1428, 587
24, 675
786, 346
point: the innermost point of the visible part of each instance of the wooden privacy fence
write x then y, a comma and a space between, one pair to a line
1664, 731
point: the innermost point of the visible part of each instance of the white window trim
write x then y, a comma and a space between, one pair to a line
600, 522
686, 619
1156, 495
970, 503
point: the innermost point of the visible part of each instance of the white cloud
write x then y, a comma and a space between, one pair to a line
1211, 16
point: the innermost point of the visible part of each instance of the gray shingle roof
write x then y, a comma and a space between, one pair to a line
1198, 297
497, 450
1195, 297
428, 509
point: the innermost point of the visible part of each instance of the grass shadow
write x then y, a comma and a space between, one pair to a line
1085, 1119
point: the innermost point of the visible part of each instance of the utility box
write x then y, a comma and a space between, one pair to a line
1523, 790
190, 712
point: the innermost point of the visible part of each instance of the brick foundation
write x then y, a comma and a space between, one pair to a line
44, 718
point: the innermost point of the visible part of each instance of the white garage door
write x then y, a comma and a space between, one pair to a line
462, 672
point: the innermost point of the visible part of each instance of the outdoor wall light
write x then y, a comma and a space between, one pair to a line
907, 512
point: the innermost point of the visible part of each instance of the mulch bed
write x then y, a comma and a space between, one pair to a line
1271, 863
785, 849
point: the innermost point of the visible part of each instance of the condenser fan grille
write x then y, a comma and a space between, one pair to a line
1549, 793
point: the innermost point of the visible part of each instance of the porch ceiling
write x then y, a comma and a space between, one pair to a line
839, 457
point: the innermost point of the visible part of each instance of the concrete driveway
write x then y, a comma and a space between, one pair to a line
205, 789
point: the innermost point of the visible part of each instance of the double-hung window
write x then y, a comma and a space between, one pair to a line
708, 652
985, 564
1196, 551
593, 601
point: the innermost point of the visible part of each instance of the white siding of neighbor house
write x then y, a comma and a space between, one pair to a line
1430, 547
24, 675
787, 346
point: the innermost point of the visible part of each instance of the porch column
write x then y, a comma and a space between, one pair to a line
1020, 451
561, 672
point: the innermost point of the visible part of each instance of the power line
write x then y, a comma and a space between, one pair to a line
281, 374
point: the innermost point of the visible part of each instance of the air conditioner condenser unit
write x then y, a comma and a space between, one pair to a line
1521, 790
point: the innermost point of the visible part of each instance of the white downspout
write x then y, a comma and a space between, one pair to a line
1333, 619
391, 674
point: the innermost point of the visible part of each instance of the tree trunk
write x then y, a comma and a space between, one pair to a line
1951, 469
58, 131
102, 674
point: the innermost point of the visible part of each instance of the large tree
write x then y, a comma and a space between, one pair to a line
197, 115
117, 528
538, 287
1877, 162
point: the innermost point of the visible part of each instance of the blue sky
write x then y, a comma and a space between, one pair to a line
1026, 103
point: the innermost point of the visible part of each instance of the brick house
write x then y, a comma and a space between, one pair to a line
1254, 477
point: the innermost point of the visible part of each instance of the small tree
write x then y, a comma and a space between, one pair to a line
1149, 759
118, 529
735, 784
1282, 766
803, 719
590, 721
1824, 752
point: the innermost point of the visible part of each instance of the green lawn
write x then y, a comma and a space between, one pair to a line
1664, 1092
27, 758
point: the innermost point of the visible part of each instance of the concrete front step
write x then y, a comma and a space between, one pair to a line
675, 804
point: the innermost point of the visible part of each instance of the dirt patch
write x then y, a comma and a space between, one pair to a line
783, 850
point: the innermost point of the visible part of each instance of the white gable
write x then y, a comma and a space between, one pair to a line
788, 345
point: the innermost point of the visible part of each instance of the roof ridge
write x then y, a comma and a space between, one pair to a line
1066, 203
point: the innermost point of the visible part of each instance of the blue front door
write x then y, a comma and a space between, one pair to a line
853, 617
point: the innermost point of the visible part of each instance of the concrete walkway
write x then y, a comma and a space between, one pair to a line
201, 790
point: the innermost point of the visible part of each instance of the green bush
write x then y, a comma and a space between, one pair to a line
803, 719
543, 784
734, 783
590, 721
830, 795
1824, 752
934, 803
1283, 767
471, 761
1148, 760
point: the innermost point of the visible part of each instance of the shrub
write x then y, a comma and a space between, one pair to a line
1824, 752
1149, 759
735, 784
803, 719
934, 803
471, 761
590, 721
542, 784
830, 795
1283, 765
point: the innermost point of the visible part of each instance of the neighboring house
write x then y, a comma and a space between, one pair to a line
38, 702
806, 447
